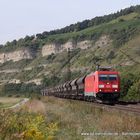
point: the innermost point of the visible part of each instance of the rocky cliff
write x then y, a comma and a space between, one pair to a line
16, 55
34, 69
48, 49
53, 48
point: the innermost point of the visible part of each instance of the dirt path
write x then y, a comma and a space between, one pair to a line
22, 102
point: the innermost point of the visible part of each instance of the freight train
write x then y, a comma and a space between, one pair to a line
103, 85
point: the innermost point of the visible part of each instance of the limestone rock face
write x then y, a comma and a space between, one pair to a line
48, 49
84, 44
16, 55
16, 81
68, 45
36, 81
103, 41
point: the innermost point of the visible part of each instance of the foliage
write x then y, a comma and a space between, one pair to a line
134, 92
51, 57
122, 35
130, 89
24, 125
126, 82
50, 81
26, 75
20, 88
12, 65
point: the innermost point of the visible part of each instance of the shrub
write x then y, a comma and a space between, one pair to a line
130, 86
134, 92
21, 88
25, 125
121, 20
127, 81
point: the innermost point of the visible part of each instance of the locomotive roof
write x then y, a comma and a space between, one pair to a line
102, 72
107, 72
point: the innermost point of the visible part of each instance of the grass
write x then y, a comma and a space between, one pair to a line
126, 17
15, 65
8, 101
132, 51
35, 106
76, 117
29, 74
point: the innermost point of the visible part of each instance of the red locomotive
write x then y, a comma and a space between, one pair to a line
102, 85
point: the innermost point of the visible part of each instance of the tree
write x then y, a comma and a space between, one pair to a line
134, 92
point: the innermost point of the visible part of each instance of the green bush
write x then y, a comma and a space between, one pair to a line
134, 92
25, 125
126, 82
21, 88
130, 89
50, 81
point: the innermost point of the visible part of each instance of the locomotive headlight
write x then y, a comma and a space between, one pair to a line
101, 86
114, 86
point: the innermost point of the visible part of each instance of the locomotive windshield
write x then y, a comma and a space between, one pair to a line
103, 77
110, 77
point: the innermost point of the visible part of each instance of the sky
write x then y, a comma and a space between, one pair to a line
19, 18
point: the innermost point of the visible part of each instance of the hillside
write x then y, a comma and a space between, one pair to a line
111, 40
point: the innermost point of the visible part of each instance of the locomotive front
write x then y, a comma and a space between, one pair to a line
108, 85
103, 85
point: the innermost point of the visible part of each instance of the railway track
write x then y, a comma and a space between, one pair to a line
129, 108
126, 107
